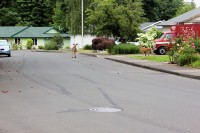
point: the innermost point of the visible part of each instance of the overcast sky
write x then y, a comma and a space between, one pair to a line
197, 2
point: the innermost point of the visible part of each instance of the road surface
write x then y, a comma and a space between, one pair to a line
54, 93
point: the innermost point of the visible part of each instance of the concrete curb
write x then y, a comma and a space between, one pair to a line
147, 67
155, 69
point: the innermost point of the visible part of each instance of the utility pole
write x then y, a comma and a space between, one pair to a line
82, 24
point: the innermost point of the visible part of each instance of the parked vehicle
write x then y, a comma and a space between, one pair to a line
5, 48
166, 41
122, 40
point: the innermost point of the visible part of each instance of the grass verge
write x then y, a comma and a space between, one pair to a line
155, 58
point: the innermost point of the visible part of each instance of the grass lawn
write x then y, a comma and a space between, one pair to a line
156, 58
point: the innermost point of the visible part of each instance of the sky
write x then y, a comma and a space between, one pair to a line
197, 2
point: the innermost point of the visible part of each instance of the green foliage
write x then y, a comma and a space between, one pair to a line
155, 58
183, 53
19, 47
58, 21
32, 13
108, 18
41, 47
8, 16
186, 59
14, 46
185, 8
124, 49
168, 8
87, 47
197, 44
173, 52
51, 46
147, 39
156, 10
196, 64
151, 8
58, 40
29, 43
187, 55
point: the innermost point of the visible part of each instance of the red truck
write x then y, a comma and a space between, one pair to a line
166, 41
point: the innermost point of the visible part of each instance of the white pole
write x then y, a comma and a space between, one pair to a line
82, 24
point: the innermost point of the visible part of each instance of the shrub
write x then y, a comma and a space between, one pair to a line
41, 47
58, 40
197, 44
87, 47
19, 47
29, 43
147, 39
173, 52
51, 46
100, 43
196, 64
124, 49
14, 46
67, 47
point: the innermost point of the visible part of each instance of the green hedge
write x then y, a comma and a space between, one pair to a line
87, 47
124, 49
51, 46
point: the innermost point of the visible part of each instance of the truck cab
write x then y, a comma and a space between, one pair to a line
164, 43
167, 40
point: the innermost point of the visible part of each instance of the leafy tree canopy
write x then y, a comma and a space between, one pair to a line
109, 18
185, 8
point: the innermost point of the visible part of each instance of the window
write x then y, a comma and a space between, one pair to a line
34, 41
169, 36
17, 41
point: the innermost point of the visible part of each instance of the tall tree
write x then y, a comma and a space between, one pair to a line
8, 13
74, 18
151, 9
185, 8
156, 10
168, 8
33, 12
108, 18
59, 17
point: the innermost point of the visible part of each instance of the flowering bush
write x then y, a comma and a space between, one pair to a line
146, 39
183, 52
197, 44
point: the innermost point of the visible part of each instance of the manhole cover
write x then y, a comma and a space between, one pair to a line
104, 109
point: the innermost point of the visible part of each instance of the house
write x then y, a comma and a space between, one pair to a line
191, 17
145, 26
39, 35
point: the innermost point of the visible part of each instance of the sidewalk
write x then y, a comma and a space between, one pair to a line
157, 66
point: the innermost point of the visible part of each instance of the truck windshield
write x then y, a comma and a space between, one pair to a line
162, 36
166, 36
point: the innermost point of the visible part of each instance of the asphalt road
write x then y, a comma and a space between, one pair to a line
52, 93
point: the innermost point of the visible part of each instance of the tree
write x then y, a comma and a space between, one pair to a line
74, 15
59, 17
151, 9
8, 17
156, 10
168, 8
185, 8
33, 12
108, 18
8, 13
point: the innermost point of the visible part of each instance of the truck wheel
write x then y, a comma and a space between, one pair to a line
161, 51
